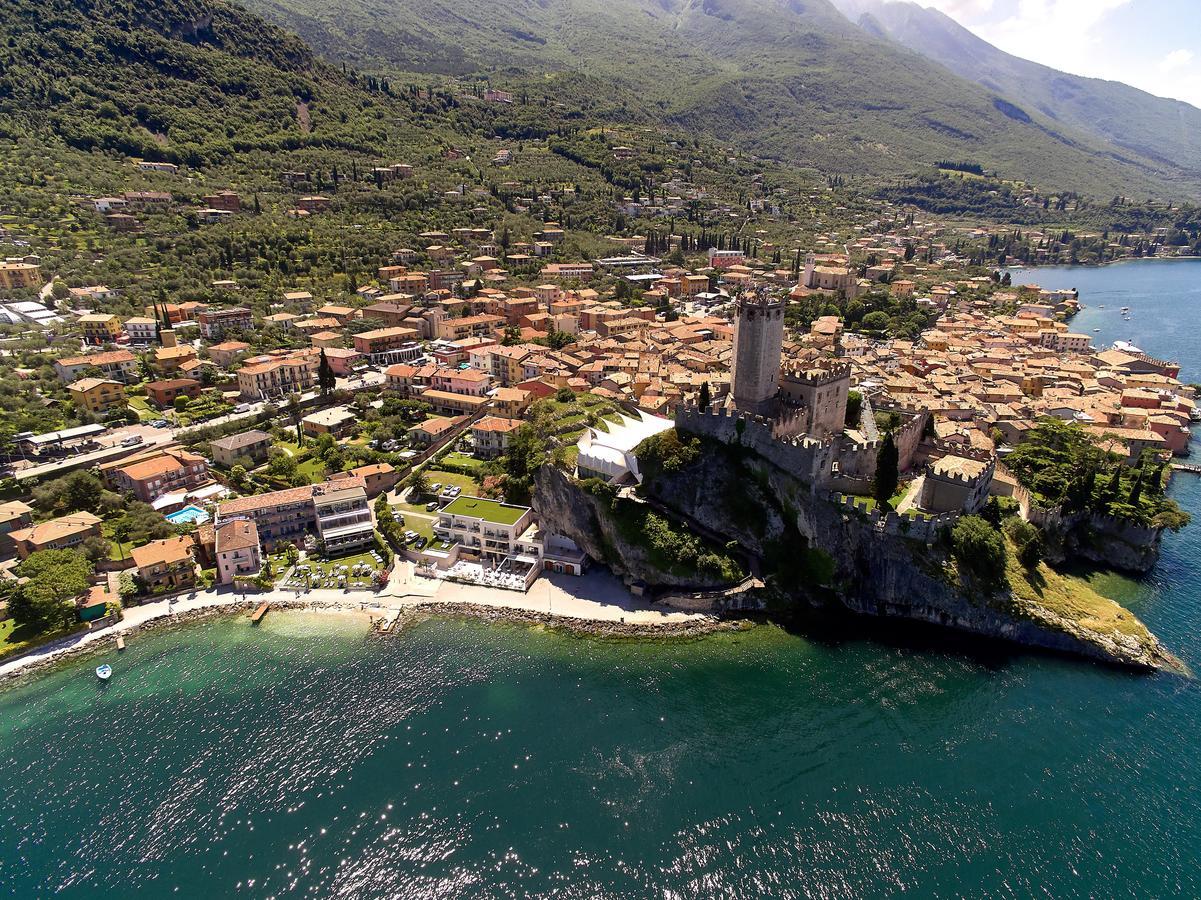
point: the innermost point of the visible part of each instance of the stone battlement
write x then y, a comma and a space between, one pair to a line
946, 448
800, 455
816, 377
924, 528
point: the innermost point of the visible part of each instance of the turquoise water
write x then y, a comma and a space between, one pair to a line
304, 759
186, 515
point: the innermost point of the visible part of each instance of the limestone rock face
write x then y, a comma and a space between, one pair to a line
763, 508
564, 507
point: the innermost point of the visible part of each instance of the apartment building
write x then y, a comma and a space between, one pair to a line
271, 376
97, 395
16, 275
288, 516
238, 553
215, 322
386, 342
163, 393
100, 328
489, 529
343, 516
141, 330
250, 448
56, 534
120, 365
161, 472
467, 327
166, 564
490, 435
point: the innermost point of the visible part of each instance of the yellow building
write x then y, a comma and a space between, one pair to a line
170, 359
100, 328
97, 395
16, 275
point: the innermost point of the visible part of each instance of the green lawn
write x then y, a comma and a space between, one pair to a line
142, 407
327, 568
420, 522
16, 638
114, 552
488, 510
461, 459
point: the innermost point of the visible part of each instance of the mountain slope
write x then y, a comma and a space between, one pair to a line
1163, 130
789, 79
183, 81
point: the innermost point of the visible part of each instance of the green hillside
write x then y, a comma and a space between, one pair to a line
184, 81
1167, 132
792, 80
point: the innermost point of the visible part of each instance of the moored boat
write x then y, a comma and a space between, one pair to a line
104, 672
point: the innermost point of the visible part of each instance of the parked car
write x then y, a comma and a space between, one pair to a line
435, 487
411, 536
398, 518
242, 408
431, 506
161, 423
132, 441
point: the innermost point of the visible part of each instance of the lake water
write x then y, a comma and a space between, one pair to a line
304, 759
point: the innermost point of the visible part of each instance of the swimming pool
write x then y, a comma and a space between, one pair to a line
189, 514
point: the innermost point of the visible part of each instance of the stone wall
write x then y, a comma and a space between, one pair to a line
801, 457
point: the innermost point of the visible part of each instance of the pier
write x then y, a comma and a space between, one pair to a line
385, 624
1187, 467
258, 614
120, 643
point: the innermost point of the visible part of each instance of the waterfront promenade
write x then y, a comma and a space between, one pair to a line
595, 597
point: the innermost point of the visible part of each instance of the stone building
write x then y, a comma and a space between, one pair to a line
758, 340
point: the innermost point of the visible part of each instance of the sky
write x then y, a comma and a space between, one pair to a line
1154, 45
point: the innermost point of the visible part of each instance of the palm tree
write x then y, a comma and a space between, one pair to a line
121, 535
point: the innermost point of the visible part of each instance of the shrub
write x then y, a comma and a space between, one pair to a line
666, 452
1027, 540
979, 550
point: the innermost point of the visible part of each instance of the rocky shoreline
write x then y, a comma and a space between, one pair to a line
583, 627
410, 614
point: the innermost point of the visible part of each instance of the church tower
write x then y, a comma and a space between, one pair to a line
758, 339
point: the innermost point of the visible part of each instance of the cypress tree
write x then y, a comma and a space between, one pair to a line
326, 379
887, 470
1136, 491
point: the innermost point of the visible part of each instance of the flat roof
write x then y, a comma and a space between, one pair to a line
67, 434
488, 510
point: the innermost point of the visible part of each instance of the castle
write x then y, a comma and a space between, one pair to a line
813, 402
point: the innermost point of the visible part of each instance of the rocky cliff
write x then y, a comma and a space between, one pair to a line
564, 506
821, 554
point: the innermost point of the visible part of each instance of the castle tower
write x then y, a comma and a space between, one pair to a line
822, 396
758, 339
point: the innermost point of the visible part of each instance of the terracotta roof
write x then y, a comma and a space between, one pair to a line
497, 424
160, 464
56, 529
167, 551
245, 439
239, 534
264, 501
96, 359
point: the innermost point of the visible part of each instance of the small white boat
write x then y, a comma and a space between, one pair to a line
104, 672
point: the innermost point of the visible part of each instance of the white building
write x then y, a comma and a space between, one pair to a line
610, 454
344, 517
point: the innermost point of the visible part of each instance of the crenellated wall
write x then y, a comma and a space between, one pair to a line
802, 457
